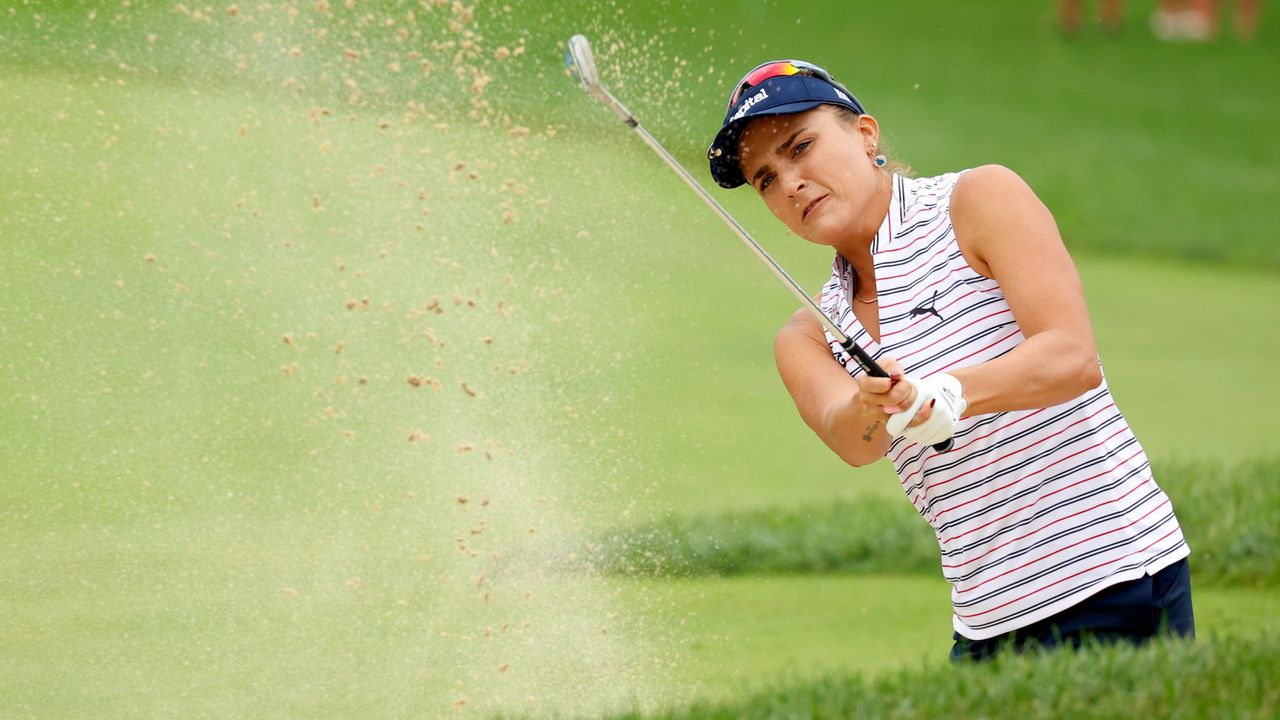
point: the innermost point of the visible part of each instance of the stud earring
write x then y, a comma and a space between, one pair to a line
880, 161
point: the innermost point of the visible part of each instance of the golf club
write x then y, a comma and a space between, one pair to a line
582, 66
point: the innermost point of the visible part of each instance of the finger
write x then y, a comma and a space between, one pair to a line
874, 385
900, 397
923, 415
891, 366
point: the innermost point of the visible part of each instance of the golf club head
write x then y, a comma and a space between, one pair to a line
577, 55
582, 65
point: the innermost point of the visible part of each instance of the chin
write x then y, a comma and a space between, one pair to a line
816, 236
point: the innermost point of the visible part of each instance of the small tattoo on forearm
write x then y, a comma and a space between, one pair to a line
871, 431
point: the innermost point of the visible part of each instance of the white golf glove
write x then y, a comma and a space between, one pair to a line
941, 425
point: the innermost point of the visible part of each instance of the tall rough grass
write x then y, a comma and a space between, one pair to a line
1230, 678
871, 535
1228, 514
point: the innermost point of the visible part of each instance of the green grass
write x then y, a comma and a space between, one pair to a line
269, 625
1227, 513
1220, 678
1108, 130
741, 446
872, 534
197, 517
725, 636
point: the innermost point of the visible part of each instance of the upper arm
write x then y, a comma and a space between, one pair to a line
814, 379
1007, 234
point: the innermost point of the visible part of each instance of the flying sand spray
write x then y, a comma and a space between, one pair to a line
578, 57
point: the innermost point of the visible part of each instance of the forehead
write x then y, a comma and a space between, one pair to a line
763, 135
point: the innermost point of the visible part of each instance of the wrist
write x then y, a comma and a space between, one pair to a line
943, 394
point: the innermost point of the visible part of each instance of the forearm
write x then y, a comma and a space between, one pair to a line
1048, 368
827, 398
854, 431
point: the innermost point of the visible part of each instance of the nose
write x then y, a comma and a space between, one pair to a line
794, 185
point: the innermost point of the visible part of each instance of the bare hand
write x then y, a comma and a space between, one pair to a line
890, 395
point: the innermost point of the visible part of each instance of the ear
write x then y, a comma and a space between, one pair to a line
869, 129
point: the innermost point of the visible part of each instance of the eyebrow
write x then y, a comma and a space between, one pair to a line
787, 143
781, 149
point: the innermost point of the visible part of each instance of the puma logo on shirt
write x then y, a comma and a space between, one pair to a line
922, 310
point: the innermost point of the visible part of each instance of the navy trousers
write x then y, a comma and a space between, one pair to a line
1133, 611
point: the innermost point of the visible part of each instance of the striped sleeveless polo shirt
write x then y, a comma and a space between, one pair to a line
1034, 510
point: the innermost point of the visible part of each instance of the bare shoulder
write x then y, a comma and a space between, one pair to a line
990, 192
985, 177
992, 207
801, 326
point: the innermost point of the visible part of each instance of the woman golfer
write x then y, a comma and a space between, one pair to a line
1050, 525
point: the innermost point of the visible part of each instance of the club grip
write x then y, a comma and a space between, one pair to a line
873, 369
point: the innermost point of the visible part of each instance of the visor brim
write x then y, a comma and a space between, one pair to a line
723, 152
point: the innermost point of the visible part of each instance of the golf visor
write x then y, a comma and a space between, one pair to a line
780, 87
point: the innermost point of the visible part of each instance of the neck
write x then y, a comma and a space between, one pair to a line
856, 246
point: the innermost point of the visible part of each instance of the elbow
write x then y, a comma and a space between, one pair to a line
1075, 370
857, 456
857, 461
1089, 375
848, 449
853, 449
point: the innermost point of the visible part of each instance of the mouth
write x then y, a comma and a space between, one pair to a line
811, 206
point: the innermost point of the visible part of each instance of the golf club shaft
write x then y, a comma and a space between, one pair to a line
870, 366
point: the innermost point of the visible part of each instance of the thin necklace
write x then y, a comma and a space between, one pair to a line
872, 301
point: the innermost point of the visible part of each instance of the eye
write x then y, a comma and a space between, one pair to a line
801, 147
766, 181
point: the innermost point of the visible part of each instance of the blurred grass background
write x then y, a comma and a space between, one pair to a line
1104, 682
244, 244
1223, 509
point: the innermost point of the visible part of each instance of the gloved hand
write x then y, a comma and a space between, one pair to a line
944, 394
